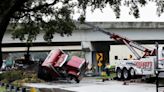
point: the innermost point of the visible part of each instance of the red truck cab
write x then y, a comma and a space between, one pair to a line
57, 65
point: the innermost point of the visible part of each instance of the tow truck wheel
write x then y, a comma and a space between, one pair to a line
125, 74
132, 73
119, 74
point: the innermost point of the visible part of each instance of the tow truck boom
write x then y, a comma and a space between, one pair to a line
130, 44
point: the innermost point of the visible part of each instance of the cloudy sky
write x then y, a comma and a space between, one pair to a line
147, 13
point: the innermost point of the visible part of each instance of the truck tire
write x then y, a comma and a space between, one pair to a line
132, 73
119, 74
40, 72
125, 74
44, 74
73, 77
77, 80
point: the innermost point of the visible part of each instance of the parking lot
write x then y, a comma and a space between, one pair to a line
90, 84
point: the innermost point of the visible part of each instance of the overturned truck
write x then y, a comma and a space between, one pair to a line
60, 66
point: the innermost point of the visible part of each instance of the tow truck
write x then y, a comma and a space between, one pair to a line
142, 65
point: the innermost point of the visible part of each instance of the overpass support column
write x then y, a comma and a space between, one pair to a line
87, 48
88, 56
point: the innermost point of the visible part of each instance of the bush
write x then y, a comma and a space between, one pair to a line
10, 76
19, 77
26, 80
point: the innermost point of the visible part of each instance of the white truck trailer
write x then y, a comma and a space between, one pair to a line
145, 65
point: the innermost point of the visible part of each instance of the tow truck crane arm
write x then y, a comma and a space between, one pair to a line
130, 44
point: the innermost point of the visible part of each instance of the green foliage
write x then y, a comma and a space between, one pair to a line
160, 7
3, 89
134, 5
26, 29
10, 76
104, 75
19, 77
55, 16
62, 24
81, 19
27, 79
41, 15
100, 4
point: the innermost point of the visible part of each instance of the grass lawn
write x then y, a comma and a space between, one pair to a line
2, 89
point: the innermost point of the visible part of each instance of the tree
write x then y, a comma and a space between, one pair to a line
27, 18
31, 14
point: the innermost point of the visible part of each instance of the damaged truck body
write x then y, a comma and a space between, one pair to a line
61, 66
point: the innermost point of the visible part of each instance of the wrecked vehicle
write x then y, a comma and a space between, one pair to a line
60, 66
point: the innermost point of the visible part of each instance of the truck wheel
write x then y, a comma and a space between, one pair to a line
119, 74
44, 74
73, 77
76, 79
40, 72
125, 74
132, 73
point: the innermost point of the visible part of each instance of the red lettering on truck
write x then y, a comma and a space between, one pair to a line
141, 64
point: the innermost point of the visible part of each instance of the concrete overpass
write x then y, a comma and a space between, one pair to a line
93, 43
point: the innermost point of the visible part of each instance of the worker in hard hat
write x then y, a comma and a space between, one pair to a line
107, 69
105, 73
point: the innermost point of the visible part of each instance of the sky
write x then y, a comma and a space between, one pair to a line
147, 14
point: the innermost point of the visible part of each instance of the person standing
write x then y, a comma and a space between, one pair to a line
107, 69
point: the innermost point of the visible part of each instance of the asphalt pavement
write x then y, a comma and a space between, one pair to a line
90, 84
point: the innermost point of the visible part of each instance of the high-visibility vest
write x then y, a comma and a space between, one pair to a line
108, 66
